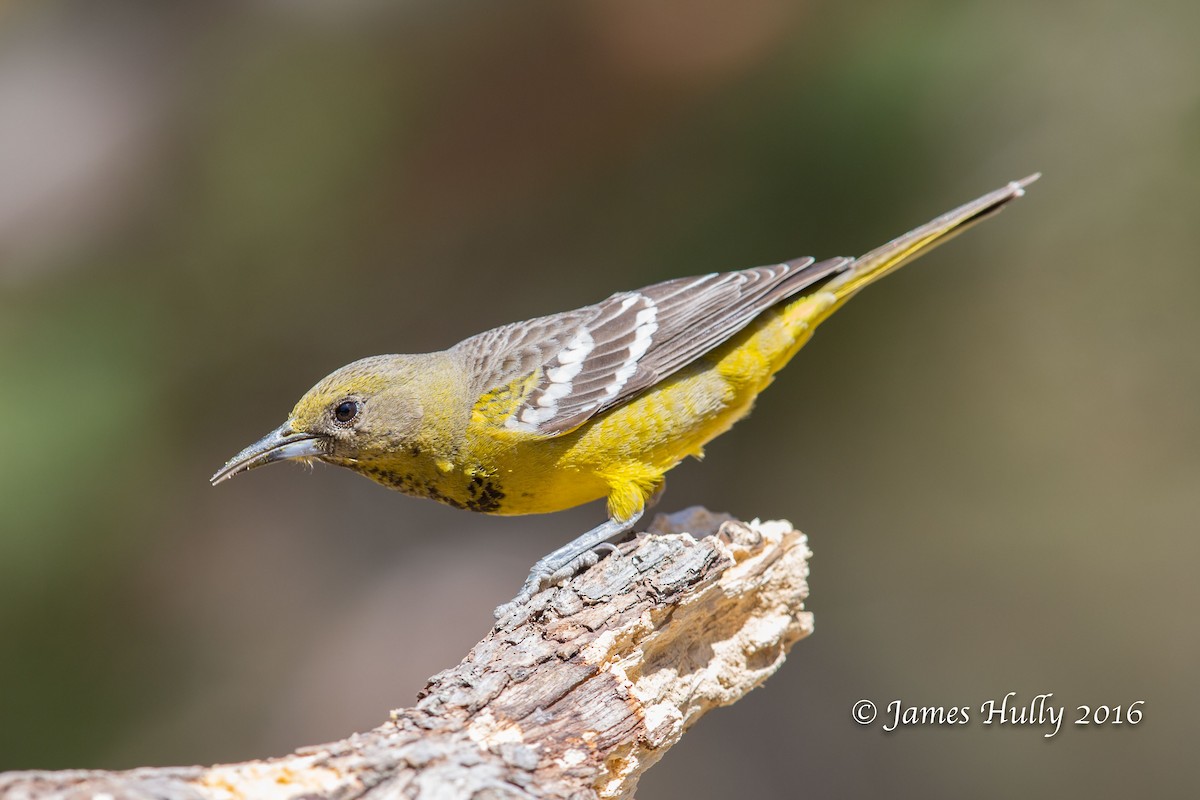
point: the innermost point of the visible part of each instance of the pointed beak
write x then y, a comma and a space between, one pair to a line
280, 444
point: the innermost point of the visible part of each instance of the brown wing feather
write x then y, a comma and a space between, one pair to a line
600, 356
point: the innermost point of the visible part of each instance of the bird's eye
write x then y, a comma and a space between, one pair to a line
345, 411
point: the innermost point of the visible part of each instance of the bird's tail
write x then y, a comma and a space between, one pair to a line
898, 252
779, 333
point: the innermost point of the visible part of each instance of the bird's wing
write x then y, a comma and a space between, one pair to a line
554, 373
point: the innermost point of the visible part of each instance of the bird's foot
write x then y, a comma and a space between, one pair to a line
566, 562
544, 575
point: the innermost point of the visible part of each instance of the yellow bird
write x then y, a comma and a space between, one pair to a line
602, 401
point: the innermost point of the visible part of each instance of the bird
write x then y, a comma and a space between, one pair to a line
598, 402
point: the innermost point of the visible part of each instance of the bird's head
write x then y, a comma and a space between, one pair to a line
363, 411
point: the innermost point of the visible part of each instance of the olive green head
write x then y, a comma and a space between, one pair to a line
361, 412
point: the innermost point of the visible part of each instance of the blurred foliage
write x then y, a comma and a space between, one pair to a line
206, 206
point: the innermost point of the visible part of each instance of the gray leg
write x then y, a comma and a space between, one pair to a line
568, 560
658, 493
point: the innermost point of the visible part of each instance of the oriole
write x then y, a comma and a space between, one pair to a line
602, 401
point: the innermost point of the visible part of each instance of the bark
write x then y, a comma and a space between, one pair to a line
574, 697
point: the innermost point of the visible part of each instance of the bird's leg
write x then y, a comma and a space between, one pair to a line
653, 499
568, 560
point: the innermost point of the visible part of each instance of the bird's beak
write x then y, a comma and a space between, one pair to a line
280, 444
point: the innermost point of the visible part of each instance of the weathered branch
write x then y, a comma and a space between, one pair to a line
576, 699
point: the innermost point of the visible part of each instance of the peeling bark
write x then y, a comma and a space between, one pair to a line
574, 697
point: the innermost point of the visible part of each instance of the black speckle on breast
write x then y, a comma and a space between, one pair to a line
433, 493
387, 477
485, 494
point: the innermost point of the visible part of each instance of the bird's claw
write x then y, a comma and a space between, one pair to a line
546, 574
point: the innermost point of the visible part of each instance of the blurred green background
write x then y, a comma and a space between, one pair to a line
206, 206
